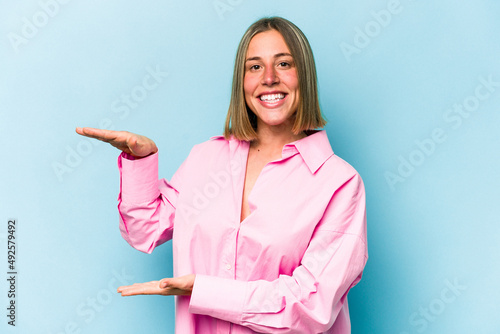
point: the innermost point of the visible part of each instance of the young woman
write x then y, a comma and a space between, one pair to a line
268, 225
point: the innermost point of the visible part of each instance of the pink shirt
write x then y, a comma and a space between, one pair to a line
287, 268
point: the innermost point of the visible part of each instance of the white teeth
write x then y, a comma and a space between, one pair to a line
272, 97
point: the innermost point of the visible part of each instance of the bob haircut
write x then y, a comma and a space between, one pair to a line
241, 122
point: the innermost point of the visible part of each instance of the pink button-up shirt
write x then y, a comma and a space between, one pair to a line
286, 268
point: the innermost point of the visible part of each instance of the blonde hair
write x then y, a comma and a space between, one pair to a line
241, 121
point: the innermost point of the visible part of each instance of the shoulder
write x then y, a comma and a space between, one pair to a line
206, 155
334, 168
317, 150
336, 173
214, 143
335, 165
214, 148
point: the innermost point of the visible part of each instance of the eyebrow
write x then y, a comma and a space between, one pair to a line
275, 56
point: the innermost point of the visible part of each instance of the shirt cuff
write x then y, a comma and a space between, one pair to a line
218, 297
138, 178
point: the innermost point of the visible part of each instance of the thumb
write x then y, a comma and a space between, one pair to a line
164, 283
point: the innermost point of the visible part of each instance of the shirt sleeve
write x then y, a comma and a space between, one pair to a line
146, 205
311, 299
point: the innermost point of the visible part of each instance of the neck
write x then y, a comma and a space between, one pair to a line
273, 138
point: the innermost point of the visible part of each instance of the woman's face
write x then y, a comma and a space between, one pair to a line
271, 85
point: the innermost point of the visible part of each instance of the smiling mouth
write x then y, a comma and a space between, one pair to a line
272, 97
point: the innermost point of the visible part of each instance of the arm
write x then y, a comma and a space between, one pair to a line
311, 299
146, 204
133, 144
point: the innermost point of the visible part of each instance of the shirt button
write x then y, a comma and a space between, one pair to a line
228, 266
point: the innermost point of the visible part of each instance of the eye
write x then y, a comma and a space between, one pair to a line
254, 67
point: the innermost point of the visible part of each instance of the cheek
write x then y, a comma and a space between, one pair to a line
248, 85
292, 81
247, 92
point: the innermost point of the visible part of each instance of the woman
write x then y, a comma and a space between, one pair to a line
268, 225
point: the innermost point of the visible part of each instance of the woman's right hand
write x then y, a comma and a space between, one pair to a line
136, 145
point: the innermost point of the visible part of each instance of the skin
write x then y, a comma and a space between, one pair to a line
131, 143
180, 286
269, 68
140, 147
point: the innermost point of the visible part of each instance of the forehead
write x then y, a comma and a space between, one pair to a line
267, 43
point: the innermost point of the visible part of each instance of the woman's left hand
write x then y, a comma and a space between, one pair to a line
181, 286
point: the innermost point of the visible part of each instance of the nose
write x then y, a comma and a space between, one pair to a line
270, 77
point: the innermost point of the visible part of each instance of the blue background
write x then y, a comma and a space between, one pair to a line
432, 200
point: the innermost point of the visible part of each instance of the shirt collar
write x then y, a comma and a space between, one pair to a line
314, 149
218, 137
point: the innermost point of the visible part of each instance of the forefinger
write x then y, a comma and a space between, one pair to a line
104, 135
132, 290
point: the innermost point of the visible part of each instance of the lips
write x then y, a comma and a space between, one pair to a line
272, 100
272, 97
